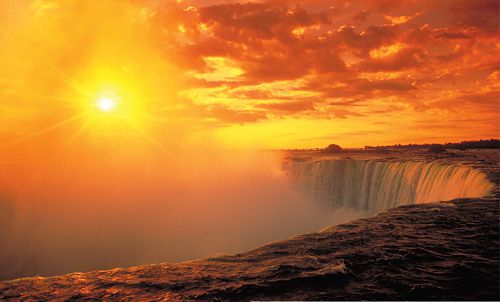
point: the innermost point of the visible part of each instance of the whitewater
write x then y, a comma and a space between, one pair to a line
374, 186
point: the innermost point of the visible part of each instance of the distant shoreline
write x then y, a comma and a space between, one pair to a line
463, 145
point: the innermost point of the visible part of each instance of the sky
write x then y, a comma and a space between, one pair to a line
246, 74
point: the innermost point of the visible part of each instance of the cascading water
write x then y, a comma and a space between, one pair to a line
374, 186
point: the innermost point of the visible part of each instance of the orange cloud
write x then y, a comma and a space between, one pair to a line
336, 65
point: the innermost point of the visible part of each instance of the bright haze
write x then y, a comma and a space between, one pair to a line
116, 116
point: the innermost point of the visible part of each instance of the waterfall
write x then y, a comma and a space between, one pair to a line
373, 186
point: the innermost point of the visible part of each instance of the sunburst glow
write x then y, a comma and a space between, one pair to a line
106, 104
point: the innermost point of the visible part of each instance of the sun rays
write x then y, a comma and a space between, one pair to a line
103, 112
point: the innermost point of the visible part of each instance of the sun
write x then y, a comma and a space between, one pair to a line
106, 104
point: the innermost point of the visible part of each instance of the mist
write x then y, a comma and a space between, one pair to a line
65, 216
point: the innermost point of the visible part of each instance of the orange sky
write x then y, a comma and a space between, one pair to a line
260, 74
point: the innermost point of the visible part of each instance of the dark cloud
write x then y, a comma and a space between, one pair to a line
370, 38
361, 16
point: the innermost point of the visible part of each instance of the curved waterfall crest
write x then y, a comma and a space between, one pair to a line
375, 185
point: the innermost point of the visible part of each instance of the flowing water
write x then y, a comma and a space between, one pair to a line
374, 186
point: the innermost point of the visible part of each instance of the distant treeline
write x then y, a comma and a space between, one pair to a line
480, 144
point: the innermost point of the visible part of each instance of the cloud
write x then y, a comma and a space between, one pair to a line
341, 58
408, 57
226, 115
289, 106
257, 62
480, 14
